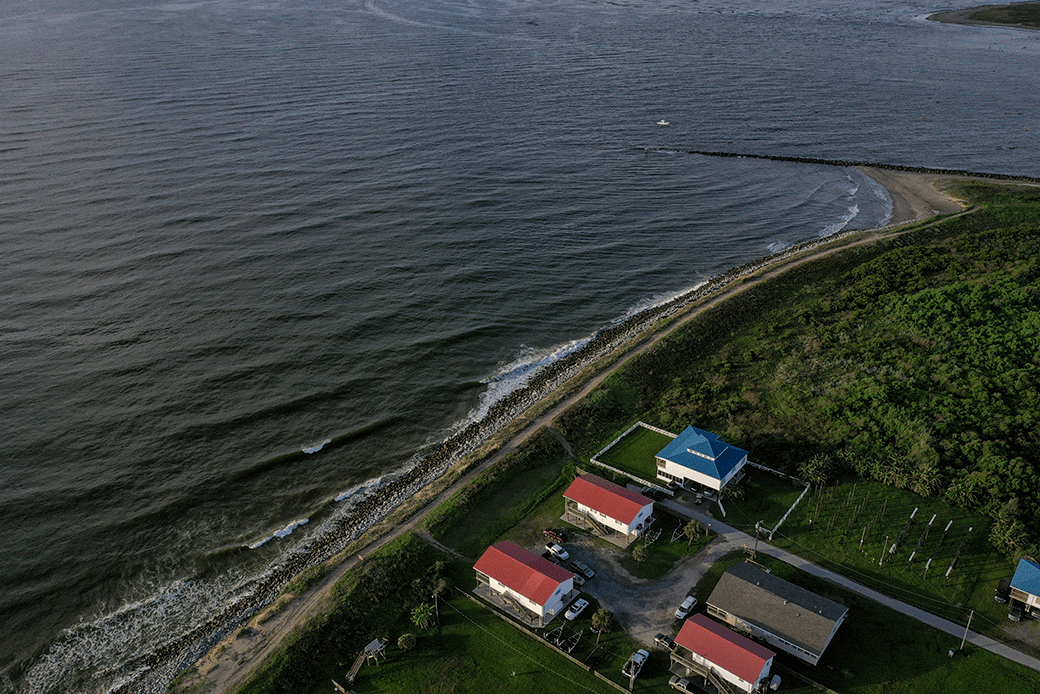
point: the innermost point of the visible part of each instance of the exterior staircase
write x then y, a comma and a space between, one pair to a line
722, 685
584, 515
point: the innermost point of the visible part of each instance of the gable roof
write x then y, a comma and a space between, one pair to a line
782, 608
606, 497
1027, 577
522, 571
703, 452
727, 649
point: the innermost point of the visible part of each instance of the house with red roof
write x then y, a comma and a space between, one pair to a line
533, 587
611, 511
731, 662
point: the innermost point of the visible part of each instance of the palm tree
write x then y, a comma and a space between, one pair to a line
422, 616
692, 530
602, 620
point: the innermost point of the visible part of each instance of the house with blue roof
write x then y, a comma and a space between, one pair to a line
1025, 585
698, 459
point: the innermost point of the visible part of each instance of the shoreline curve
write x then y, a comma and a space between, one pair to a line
963, 17
222, 664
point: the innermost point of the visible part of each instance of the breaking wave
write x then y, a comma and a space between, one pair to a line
315, 447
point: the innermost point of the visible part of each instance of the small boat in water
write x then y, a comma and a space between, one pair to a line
663, 122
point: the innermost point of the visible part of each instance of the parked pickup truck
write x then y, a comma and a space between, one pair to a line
558, 552
582, 568
683, 610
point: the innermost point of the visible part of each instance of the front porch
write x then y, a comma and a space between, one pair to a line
579, 518
519, 612
709, 679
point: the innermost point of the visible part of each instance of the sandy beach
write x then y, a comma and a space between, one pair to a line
914, 197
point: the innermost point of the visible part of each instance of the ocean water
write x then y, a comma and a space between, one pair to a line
234, 230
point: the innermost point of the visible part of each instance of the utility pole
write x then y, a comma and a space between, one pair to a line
966, 629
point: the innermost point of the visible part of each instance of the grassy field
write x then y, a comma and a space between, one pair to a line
472, 650
760, 496
528, 531
502, 497
829, 524
1024, 14
636, 453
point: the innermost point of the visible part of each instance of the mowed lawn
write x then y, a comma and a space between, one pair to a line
761, 496
636, 453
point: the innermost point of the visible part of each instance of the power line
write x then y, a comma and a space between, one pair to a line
517, 650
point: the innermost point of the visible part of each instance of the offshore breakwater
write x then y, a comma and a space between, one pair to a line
152, 673
856, 164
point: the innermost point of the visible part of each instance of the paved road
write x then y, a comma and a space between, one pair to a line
739, 539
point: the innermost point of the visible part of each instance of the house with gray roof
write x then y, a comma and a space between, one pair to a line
700, 459
776, 611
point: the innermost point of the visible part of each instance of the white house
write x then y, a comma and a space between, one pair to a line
610, 510
526, 580
776, 611
1025, 585
723, 657
698, 458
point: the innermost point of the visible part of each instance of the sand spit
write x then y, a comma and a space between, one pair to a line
964, 17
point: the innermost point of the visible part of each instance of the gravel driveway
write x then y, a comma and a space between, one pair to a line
644, 607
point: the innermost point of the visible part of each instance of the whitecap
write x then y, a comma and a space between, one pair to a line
281, 532
842, 222
366, 486
315, 447
530, 361
287, 530
517, 373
